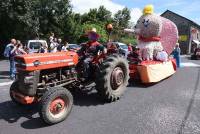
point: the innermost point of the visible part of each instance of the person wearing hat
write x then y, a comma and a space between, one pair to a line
89, 50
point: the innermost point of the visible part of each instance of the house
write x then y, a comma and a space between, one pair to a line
189, 31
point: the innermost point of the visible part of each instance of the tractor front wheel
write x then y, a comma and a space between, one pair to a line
56, 104
14, 88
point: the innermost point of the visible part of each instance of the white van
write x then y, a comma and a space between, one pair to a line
34, 45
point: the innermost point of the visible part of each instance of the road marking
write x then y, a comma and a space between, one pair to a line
6, 83
189, 64
184, 56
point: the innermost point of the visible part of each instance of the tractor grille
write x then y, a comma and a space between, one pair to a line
28, 82
20, 63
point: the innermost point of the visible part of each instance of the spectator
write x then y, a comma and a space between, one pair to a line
112, 48
65, 47
43, 49
9, 53
134, 57
53, 46
176, 54
26, 49
18, 50
51, 38
130, 49
127, 52
60, 45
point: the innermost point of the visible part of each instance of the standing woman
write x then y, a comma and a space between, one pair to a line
176, 53
10, 53
54, 45
19, 49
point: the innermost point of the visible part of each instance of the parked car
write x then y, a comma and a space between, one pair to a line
34, 45
196, 54
123, 48
74, 47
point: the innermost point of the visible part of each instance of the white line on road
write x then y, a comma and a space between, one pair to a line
6, 83
189, 64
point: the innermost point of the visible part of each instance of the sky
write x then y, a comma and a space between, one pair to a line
187, 8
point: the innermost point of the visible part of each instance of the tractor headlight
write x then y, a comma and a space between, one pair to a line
28, 79
36, 63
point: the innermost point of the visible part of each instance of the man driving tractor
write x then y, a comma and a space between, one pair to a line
89, 51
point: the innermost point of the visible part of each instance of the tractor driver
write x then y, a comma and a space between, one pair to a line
89, 50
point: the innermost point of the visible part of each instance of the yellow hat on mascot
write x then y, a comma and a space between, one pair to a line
148, 9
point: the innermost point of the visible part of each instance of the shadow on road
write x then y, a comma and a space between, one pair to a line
11, 113
2, 58
87, 98
4, 75
34, 123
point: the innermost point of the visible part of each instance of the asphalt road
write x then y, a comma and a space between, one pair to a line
169, 107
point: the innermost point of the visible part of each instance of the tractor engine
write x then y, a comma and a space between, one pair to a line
58, 76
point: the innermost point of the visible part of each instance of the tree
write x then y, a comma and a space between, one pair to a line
72, 28
52, 15
19, 19
121, 21
122, 18
90, 17
103, 15
100, 15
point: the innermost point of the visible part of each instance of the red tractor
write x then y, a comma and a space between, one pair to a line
46, 78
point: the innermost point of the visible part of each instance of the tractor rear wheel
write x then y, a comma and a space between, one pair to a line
112, 78
55, 105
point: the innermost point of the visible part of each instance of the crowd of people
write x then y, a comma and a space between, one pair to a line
56, 45
15, 47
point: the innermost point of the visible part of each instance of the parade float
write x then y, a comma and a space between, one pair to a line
157, 37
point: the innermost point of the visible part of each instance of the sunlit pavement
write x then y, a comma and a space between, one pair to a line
169, 107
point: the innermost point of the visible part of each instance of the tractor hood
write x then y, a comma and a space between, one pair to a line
42, 61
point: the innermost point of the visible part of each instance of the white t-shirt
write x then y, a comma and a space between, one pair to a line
51, 38
53, 47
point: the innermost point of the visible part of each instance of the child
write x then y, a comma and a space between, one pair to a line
134, 56
162, 56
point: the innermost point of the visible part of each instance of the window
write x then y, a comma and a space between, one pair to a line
35, 45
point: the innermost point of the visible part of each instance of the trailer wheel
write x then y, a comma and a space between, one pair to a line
14, 88
55, 105
112, 78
